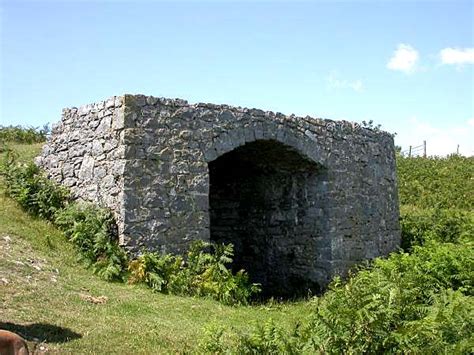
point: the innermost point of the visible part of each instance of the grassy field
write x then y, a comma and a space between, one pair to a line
419, 302
51, 299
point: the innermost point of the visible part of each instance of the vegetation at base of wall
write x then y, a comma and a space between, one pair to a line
204, 272
87, 227
418, 300
90, 229
25, 135
32, 189
48, 297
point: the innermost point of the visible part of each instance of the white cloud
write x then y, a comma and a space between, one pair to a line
439, 141
334, 82
457, 56
404, 59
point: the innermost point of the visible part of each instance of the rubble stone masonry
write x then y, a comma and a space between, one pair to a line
301, 199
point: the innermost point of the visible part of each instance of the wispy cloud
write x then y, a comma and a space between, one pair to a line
335, 82
404, 59
457, 56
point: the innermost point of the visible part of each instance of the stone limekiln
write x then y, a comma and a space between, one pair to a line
301, 199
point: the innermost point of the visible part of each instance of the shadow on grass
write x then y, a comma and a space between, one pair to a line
41, 332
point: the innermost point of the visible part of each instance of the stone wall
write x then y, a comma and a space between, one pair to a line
86, 153
302, 199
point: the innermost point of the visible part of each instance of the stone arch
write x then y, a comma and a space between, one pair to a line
267, 196
305, 144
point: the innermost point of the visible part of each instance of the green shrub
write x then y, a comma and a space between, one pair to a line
268, 338
156, 270
446, 328
407, 303
212, 340
443, 225
90, 229
440, 183
32, 190
210, 275
26, 135
204, 272
372, 311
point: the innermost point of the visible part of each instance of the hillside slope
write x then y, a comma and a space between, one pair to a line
48, 296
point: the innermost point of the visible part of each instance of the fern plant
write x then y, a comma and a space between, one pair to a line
89, 228
204, 272
155, 270
35, 193
408, 303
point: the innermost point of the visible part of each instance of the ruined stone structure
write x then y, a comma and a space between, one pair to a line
301, 199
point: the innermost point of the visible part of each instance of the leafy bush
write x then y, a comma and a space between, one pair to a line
419, 302
212, 341
210, 276
268, 338
90, 229
32, 190
372, 311
444, 225
204, 272
155, 270
26, 135
436, 182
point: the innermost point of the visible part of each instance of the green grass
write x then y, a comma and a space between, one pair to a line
41, 282
45, 293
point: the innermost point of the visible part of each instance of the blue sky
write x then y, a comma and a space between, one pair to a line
407, 65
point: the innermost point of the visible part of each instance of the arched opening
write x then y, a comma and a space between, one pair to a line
265, 198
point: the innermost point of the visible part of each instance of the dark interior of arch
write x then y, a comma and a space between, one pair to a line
266, 199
